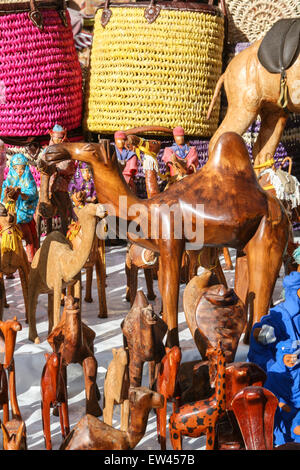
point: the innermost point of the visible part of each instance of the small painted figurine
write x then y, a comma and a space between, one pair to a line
275, 346
83, 181
181, 150
2, 161
60, 180
127, 159
21, 178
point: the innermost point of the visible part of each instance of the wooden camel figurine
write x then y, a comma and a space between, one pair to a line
116, 388
166, 386
143, 333
137, 258
96, 258
247, 218
13, 255
199, 418
213, 313
92, 434
74, 341
57, 265
262, 80
54, 393
14, 430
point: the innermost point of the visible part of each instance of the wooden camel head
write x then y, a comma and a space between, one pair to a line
9, 329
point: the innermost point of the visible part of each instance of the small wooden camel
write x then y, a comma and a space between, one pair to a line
92, 434
166, 386
54, 393
57, 265
143, 333
74, 341
13, 255
96, 258
199, 418
116, 388
14, 430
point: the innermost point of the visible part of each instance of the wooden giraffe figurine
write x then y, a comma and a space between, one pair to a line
199, 418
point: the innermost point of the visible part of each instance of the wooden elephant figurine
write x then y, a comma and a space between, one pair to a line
143, 332
213, 312
92, 434
116, 388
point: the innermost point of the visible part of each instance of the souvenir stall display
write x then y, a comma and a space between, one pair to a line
156, 141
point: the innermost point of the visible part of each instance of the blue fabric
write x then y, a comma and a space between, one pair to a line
58, 128
25, 209
180, 150
125, 154
283, 381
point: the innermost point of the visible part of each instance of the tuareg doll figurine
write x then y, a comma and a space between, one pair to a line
83, 181
182, 150
127, 159
275, 346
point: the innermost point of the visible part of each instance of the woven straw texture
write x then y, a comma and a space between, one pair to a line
40, 76
249, 20
162, 73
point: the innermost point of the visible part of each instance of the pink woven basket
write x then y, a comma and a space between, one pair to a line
40, 75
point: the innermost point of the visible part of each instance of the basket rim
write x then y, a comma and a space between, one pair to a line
169, 5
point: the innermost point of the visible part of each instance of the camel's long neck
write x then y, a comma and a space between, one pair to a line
73, 336
75, 263
137, 426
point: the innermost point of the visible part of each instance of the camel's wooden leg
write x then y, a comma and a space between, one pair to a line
171, 255
4, 396
50, 312
101, 278
2, 296
88, 284
217, 269
210, 437
108, 410
57, 302
89, 365
124, 415
45, 406
24, 284
133, 283
127, 272
237, 119
12, 391
162, 425
273, 122
149, 282
227, 258
264, 256
33, 293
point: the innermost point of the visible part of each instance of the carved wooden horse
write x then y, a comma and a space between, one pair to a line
199, 418
14, 430
74, 341
54, 393
247, 218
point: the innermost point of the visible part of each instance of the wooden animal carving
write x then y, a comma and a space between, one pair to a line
166, 386
92, 434
56, 265
74, 341
116, 387
54, 393
199, 418
14, 435
257, 224
213, 313
254, 409
13, 255
262, 80
143, 332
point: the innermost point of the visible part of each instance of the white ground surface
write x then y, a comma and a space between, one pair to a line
29, 357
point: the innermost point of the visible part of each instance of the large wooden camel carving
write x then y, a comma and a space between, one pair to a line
225, 196
255, 86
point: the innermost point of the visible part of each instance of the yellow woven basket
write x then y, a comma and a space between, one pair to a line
161, 73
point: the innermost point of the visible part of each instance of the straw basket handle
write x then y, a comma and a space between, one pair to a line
151, 12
